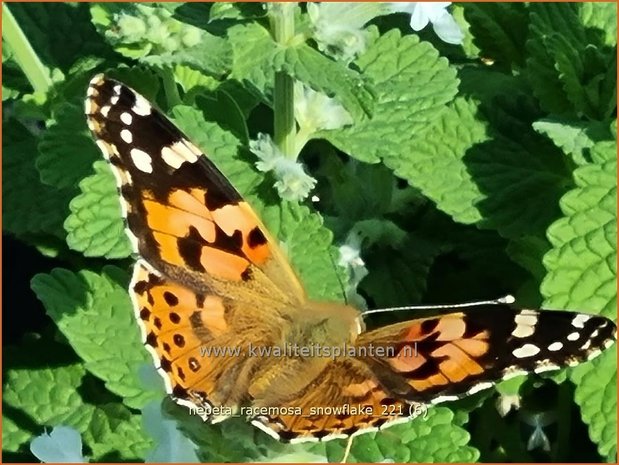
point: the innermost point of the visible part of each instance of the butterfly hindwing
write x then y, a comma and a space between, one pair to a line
446, 357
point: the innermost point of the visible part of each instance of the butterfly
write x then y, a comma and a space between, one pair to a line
230, 327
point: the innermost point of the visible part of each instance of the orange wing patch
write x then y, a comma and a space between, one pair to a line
346, 399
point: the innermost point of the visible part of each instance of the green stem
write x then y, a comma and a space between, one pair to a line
281, 16
25, 56
169, 87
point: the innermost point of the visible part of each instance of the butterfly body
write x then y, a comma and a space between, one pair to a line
230, 327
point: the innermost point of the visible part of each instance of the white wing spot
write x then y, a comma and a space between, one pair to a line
555, 346
142, 160
141, 107
126, 135
105, 111
126, 118
114, 99
573, 336
525, 324
527, 350
586, 345
172, 158
92, 91
117, 89
479, 387
580, 320
177, 154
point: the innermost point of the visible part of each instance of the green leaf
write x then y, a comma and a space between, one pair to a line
504, 184
253, 53
149, 33
582, 270
499, 30
411, 84
51, 392
574, 137
329, 77
95, 226
596, 394
600, 18
570, 70
255, 66
29, 207
582, 264
67, 150
60, 33
420, 440
92, 311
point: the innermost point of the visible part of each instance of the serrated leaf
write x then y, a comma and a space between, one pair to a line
582, 270
49, 393
59, 32
29, 207
255, 66
93, 311
497, 183
600, 17
95, 226
421, 440
67, 149
582, 264
329, 77
574, 137
570, 70
116, 433
411, 84
499, 30
253, 52
596, 394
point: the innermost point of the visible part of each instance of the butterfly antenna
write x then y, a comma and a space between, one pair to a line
508, 299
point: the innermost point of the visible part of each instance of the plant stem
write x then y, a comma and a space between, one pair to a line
25, 56
282, 26
169, 87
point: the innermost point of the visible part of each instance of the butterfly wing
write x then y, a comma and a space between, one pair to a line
400, 368
446, 357
184, 218
344, 399
209, 270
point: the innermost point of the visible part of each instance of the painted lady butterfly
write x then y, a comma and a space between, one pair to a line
209, 276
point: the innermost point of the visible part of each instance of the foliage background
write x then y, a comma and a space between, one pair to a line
469, 172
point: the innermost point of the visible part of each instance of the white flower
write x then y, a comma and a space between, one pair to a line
505, 404
293, 183
315, 111
63, 444
350, 259
338, 26
170, 445
422, 13
539, 421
